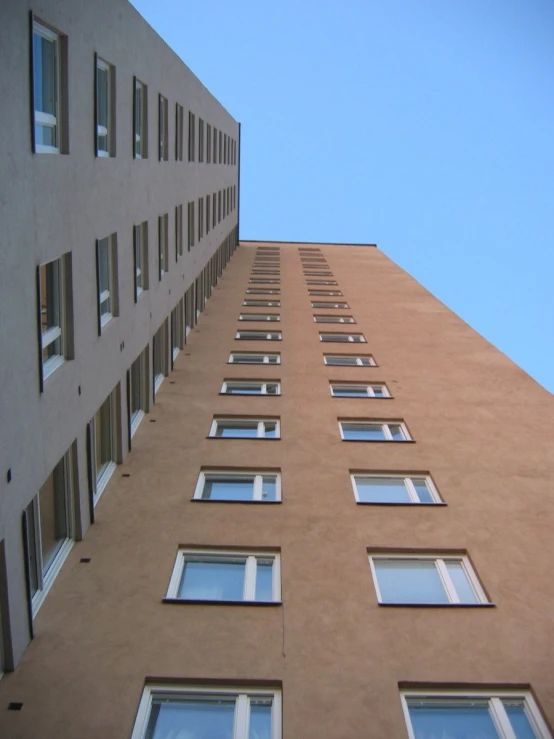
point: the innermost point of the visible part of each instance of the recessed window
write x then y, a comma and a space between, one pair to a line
263, 281
321, 282
140, 121
262, 303
259, 317
261, 487
342, 338
374, 431
178, 231
399, 489
103, 443
254, 358
333, 319
259, 336
160, 356
349, 360
190, 225
327, 306
204, 712
266, 272
303, 249
177, 329
54, 300
359, 390
48, 101
179, 118
220, 147
318, 274
214, 209
163, 247
163, 129
138, 390
429, 579
106, 265
208, 214
311, 260
200, 140
214, 149
140, 254
192, 136
208, 143
251, 387
200, 218
218, 575
336, 293
499, 714
245, 428
105, 109
263, 291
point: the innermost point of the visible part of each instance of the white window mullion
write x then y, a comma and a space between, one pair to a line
276, 581
370, 391
387, 432
412, 492
500, 719
447, 581
258, 485
263, 388
213, 428
242, 717
261, 429
250, 578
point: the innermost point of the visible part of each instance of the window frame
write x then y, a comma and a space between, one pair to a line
368, 386
178, 231
384, 426
263, 281
262, 383
100, 480
142, 361
408, 484
358, 358
40, 118
60, 330
163, 245
325, 293
224, 474
111, 293
271, 317
322, 318
265, 356
322, 305
321, 282
249, 336
349, 340
253, 303
160, 337
140, 257
179, 123
109, 130
240, 422
140, 120
163, 128
263, 291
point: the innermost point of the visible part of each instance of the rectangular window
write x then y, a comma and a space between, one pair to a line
177, 330
163, 129
200, 140
178, 132
374, 431
259, 487
259, 335
178, 231
312, 260
321, 282
48, 103
220, 147
335, 337
225, 149
261, 263
264, 281
106, 263
327, 306
105, 109
204, 712
218, 575
140, 122
263, 291
224, 194
394, 489
334, 319
262, 303
54, 297
247, 428
192, 136
159, 356
264, 271
427, 579
499, 714
138, 390
208, 143
208, 214
334, 293
254, 358
190, 225
312, 273
219, 206
140, 239
104, 428
214, 210
215, 146
163, 247
349, 360
355, 390
251, 387
259, 317
200, 218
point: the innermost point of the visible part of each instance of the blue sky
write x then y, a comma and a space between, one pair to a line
425, 126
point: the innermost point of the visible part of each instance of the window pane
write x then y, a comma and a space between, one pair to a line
454, 721
136, 389
269, 487
397, 432
244, 431
103, 431
230, 489
102, 96
260, 720
270, 430
213, 580
104, 273
244, 389
53, 515
422, 490
461, 583
518, 719
50, 295
264, 579
366, 361
32, 543
409, 581
349, 392
382, 490
378, 391
364, 432
271, 389
341, 360
191, 719
45, 74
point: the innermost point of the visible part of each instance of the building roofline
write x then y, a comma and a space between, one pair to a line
321, 243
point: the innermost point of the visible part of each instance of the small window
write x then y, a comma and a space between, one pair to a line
263, 291
214, 210
311, 260
251, 387
105, 109
178, 231
321, 282
163, 248
408, 579
262, 303
200, 140
349, 360
179, 117
140, 122
140, 237
49, 67
334, 293
214, 149
163, 129
208, 144
190, 225
259, 487
225, 576
266, 272
303, 249
208, 711
103, 443
138, 390
177, 329
259, 335
106, 264
200, 218
245, 428
192, 136
394, 489
327, 306
333, 319
355, 390
54, 300
220, 147
208, 214
342, 338
374, 431
259, 317
219, 206
500, 714
254, 358
160, 356
263, 281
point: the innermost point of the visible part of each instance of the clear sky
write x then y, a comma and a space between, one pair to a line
425, 126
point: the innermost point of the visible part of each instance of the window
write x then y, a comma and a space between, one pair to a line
259, 336
48, 57
140, 123
178, 231
163, 129
259, 317
318, 274
177, 332
219, 206
208, 143
336, 293
215, 147
220, 147
159, 356
216, 575
225, 149
352, 390
266, 272
254, 358
355, 338
349, 360
264, 281
192, 136
385, 488
190, 225
200, 218
53, 300
140, 252
261, 487
203, 712
427, 579
208, 214
321, 282
106, 266
312, 260
214, 210
103, 444
373, 431
245, 428
263, 291
200, 140
163, 249
178, 132
262, 303
251, 387
49, 525
327, 306
502, 714
138, 390
334, 319
105, 109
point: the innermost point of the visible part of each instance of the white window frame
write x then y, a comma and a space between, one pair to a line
140, 245
442, 570
321, 304
275, 317
408, 484
359, 362
47, 119
249, 594
263, 291
384, 426
249, 335
137, 416
243, 696
254, 354
163, 128
261, 431
248, 383
262, 303
59, 331
103, 130
334, 319
110, 293
163, 244
257, 483
100, 481
159, 378
369, 389
495, 699
331, 338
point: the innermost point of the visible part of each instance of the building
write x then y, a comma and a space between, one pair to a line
334, 521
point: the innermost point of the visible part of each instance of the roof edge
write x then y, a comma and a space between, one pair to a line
321, 243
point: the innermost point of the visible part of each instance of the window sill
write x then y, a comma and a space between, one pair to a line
50, 366
175, 353
51, 575
240, 438
157, 382
404, 505
237, 502
251, 395
378, 441
105, 319
438, 605
362, 397
191, 602
135, 421
103, 479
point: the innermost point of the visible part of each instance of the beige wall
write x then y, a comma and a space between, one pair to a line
482, 428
